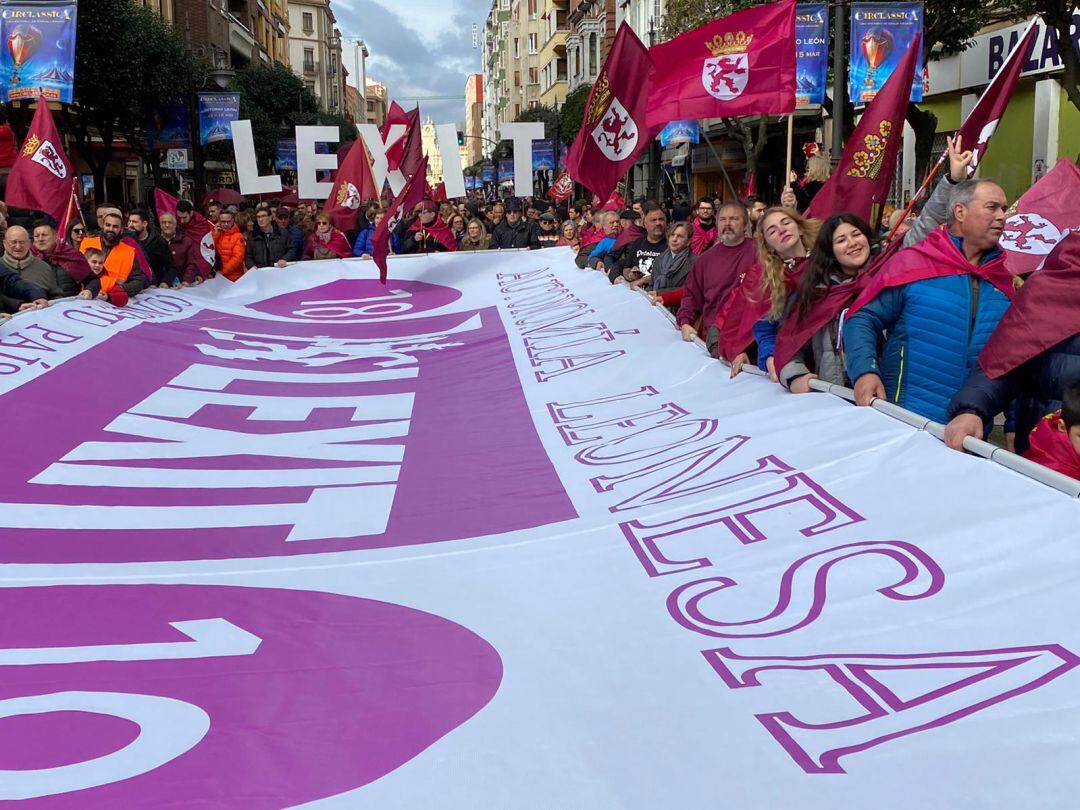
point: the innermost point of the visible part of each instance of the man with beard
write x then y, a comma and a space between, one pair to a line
715, 274
755, 208
25, 280
637, 257
156, 249
122, 267
704, 224
71, 266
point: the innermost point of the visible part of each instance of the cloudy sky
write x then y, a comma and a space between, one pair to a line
418, 48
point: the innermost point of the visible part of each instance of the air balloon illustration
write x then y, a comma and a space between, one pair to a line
22, 43
877, 44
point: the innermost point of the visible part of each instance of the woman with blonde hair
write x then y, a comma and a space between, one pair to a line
326, 241
784, 240
476, 236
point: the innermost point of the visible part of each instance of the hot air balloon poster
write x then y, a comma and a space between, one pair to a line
880, 35
811, 52
38, 53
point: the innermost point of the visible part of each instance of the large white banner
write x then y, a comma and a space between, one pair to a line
493, 535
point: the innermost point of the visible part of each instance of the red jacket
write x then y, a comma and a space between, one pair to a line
231, 247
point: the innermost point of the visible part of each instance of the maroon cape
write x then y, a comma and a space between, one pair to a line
934, 257
1045, 312
747, 305
67, 258
440, 230
796, 332
628, 236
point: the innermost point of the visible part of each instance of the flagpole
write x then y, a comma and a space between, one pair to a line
790, 138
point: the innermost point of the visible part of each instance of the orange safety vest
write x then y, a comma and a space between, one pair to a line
119, 262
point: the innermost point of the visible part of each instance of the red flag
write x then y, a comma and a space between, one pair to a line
7, 146
614, 203
562, 188
1044, 215
982, 121
413, 146
403, 205
864, 174
1045, 312
199, 230
394, 151
353, 183
742, 64
613, 131
41, 177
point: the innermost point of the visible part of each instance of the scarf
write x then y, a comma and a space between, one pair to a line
1046, 311
670, 270
67, 258
936, 256
628, 236
1050, 446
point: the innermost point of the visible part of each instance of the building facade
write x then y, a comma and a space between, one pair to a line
473, 148
354, 103
429, 143
375, 103
552, 57
315, 52
232, 35
496, 67
592, 32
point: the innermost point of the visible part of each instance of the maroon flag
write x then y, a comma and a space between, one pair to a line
71, 212
353, 183
742, 64
1044, 216
199, 230
403, 205
982, 121
864, 174
41, 177
413, 151
613, 131
1045, 312
394, 151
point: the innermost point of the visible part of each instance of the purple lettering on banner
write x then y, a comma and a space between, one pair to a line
316, 430
892, 707
183, 695
799, 489
803, 590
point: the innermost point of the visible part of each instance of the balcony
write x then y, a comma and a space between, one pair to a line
241, 40
310, 67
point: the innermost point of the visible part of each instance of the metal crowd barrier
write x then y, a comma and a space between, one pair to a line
978, 447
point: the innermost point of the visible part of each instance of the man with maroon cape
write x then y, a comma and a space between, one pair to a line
1032, 357
426, 232
715, 274
932, 307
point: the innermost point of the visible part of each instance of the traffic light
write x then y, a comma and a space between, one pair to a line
460, 138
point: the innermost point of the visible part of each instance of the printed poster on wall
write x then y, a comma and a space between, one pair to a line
506, 170
811, 53
38, 58
880, 34
216, 112
676, 132
285, 155
487, 172
543, 156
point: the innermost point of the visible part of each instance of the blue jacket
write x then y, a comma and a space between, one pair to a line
928, 335
298, 240
363, 244
765, 334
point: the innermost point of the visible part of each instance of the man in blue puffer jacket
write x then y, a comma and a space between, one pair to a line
932, 308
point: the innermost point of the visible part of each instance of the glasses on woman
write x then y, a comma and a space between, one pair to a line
78, 230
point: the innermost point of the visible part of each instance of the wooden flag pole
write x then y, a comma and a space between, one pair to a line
790, 138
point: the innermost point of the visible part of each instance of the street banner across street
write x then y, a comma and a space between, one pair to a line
493, 533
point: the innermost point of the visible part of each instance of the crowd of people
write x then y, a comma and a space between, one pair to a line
919, 312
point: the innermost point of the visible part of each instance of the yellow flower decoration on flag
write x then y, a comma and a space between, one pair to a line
868, 162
